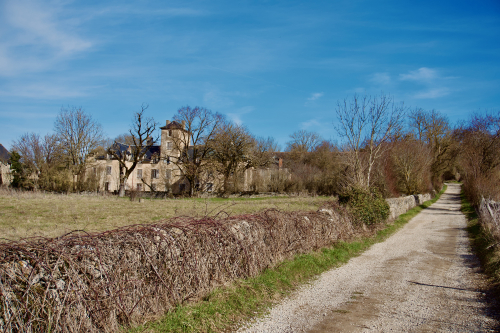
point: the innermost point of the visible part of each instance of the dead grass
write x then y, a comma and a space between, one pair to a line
28, 214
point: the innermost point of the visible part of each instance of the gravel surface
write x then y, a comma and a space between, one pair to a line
421, 279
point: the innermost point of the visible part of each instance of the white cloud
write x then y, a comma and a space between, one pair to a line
236, 116
433, 93
26, 115
217, 100
423, 74
41, 26
315, 96
313, 123
148, 11
435, 84
36, 36
381, 78
44, 90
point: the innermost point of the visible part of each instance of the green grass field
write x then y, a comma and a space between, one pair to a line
27, 214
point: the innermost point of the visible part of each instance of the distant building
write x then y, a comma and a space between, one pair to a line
5, 172
157, 172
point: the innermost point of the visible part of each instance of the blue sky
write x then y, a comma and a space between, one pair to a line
274, 66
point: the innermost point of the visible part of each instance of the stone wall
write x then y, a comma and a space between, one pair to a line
401, 205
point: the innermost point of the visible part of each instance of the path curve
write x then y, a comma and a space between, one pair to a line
421, 279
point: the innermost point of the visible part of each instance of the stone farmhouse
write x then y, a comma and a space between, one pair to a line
157, 171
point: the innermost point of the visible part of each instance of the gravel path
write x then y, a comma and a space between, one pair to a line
422, 279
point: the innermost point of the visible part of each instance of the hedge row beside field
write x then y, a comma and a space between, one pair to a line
96, 283
99, 282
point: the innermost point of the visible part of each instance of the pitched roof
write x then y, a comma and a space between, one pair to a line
4, 153
122, 148
173, 125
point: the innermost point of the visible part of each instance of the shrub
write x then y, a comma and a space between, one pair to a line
365, 206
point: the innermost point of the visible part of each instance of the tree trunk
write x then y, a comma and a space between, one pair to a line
121, 192
226, 185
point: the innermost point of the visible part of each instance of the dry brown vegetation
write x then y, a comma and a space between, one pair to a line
28, 214
489, 211
96, 283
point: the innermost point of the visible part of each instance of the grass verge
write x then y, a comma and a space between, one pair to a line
220, 310
483, 245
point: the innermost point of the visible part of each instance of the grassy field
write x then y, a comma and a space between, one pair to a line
27, 214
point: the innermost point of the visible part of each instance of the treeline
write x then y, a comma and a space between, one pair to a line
393, 150
68, 159
58, 161
385, 148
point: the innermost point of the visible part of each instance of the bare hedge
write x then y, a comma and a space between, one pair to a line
99, 282
489, 211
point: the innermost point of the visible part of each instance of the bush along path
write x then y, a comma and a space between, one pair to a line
423, 278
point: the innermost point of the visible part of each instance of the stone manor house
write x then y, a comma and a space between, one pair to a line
157, 172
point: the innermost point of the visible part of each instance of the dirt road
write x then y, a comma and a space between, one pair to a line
422, 279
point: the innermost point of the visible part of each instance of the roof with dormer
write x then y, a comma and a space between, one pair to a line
122, 148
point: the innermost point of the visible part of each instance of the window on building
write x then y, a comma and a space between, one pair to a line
169, 133
108, 170
154, 173
139, 173
168, 174
139, 187
169, 145
210, 187
106, 186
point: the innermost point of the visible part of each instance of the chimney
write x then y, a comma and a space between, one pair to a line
168, 122
183, 124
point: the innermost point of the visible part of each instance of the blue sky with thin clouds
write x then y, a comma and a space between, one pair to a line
274, 66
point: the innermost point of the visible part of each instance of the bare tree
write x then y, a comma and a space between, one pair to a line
31, 149
263, 151
366, 123
195, 145
125, 138
232, 147
418, 123
42, 157
479, 141
303, 141
79, 135
434, 129
142, 139
412, 160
